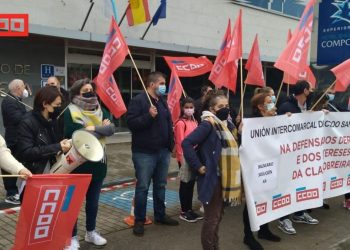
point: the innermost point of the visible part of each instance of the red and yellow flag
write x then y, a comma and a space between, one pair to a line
137, 12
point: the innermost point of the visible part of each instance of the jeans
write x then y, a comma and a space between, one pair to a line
150, 167
212, 217
91, 206
186, 195
9, 184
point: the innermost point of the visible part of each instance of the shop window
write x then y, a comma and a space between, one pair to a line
78, 71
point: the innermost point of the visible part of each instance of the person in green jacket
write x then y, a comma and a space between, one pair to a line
85, 112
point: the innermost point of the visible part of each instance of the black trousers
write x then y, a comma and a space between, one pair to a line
10, 183
186, 195
247, 229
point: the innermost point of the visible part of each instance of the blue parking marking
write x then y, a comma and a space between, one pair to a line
122, 198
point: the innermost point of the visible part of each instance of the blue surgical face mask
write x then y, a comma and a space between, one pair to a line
161, 90
330, 97
269, 106
273, 98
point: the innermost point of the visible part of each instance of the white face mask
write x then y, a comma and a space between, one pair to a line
269, 106
189, 112
25, 93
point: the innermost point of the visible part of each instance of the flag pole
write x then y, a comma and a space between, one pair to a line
323, 94
115, 13
148, 27
242, 90
183, 92
139, 75
123, 17
11, 175
279, 90
4, 93
245, 86
87, 15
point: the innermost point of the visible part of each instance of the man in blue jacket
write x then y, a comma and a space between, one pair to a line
152, 142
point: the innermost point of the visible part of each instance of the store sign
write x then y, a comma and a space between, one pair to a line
14, 25
47, 70
16, 69
59, 71
333, 32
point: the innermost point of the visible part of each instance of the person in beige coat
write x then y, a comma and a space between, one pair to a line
9, 163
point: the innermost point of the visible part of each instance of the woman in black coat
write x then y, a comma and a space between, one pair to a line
38, 142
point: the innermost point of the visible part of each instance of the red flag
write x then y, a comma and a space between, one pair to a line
49, 211
223, 73
255, 73
293, 59
114, 53
287, 78
342, 73
306, 75
235, 49
189, 66
174, 95
110, 95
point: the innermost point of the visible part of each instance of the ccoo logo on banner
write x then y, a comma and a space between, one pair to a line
333, 32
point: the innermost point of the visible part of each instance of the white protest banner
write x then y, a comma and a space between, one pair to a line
292, 163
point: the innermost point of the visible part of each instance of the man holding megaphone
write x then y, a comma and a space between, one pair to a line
84, 112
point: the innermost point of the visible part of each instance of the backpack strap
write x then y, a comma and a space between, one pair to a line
183, 123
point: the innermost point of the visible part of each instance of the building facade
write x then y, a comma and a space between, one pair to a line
59, 39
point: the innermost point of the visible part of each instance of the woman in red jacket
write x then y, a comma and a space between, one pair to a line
183, 127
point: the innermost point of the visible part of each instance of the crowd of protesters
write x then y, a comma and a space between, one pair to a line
204, 141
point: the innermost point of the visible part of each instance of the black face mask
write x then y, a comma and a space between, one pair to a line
56, 112
223, 113
89, 94
310, 97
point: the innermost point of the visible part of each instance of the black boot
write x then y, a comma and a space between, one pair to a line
266, 234
138, 229
252, 243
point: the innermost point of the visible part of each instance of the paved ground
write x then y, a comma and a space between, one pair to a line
332, 233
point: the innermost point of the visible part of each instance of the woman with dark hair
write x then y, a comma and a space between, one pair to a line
262, 106
216, 162
183, 127
85, 112
39, 143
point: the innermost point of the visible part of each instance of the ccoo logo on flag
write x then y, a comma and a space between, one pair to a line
52, 200
14, 25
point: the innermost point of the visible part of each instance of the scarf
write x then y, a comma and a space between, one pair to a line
90, 103
229, 165
87, 117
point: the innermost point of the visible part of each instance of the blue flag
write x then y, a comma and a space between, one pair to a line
160, 13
